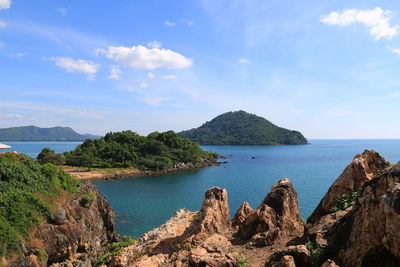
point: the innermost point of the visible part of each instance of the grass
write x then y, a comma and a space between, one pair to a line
27, 193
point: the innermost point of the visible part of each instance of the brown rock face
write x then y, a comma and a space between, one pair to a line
372, 233
241, 214
213, 216
169, 244
363, 167
278, 215
75, 234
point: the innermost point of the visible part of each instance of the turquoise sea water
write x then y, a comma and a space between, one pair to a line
144, 203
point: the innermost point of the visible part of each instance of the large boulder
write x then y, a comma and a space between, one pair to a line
214, 252
277, 216
363, 167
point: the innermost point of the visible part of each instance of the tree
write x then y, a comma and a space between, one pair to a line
48, 155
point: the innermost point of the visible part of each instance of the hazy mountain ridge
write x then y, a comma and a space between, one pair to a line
242, 128
33, 133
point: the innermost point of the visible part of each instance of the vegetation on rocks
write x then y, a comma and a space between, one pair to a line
27, 190
242, 128
344, 202
157, 151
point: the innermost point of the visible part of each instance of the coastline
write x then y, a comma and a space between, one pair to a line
82, 173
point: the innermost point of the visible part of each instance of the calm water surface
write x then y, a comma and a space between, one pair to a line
144, 203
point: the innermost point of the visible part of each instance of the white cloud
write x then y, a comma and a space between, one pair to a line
11, 116
394, 50
144, 85
243, 61
115, 73
79, 65
154, 44
188, 22
140, 57
5, 4
62, 10
376, 20
3, 24
151, 75
21, 54
167, 23
169, 77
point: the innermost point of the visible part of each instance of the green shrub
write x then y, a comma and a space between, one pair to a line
318, 253
87, 200
240, 261
115, 248
344, 202
49, 156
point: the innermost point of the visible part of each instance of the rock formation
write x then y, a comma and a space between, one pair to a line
277, 216
75, 235
241, 214
206, 237
368, 235
363, 167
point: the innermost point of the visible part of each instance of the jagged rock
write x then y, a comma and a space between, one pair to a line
321, 231
372, 236
329, 263
299, 256
278, 215
184, 231
212, 218
363, 167
241, 214
214, 252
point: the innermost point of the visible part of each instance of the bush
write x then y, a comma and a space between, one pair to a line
344, 202
318, 254
49, 156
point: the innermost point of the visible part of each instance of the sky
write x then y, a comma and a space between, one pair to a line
329, 69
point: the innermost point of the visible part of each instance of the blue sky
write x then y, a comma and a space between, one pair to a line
327, 68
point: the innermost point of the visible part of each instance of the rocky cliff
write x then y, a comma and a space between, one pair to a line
77, 233
361, 230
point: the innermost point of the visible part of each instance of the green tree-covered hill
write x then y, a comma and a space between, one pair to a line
157, 151
242, 128
33, 133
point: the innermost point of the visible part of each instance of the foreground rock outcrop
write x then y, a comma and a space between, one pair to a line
363, 168
77, 233
209, 238
364, 231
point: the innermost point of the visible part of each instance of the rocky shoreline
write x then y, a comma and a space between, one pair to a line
133, 172
357, 223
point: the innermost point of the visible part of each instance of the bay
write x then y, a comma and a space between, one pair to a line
143, 203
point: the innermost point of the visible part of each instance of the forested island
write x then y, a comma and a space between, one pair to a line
33, 133
242, 128
156, 151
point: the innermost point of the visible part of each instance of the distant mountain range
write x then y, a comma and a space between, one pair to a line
33, 133
242, 128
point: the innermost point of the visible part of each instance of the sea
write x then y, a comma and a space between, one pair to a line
143, 203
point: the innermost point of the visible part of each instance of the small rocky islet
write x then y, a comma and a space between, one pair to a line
355, 224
